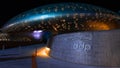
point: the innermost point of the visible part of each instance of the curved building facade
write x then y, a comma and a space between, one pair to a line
64, 18
81, 33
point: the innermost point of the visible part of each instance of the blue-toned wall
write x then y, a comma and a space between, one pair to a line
91, 48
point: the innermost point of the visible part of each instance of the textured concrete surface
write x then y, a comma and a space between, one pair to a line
90, 48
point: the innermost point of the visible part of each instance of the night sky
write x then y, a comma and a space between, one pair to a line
11, 8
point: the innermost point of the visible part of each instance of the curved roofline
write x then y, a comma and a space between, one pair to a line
59, 4
59, 10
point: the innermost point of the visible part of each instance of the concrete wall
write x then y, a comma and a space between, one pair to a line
91, 48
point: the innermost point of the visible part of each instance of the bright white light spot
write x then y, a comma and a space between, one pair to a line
11, 25
44, 16
37, 31
37, 34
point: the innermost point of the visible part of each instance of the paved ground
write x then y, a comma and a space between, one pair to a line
22, 63
53, 63
42, 63
19, 60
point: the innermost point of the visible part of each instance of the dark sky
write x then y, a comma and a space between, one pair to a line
11, 8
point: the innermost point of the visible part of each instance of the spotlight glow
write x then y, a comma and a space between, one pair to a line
37, 34
43, 52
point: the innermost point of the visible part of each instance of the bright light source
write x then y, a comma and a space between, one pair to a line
44, 16
37, 31
43, 52
37, 34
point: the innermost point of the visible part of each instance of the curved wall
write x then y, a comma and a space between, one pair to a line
91, 48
